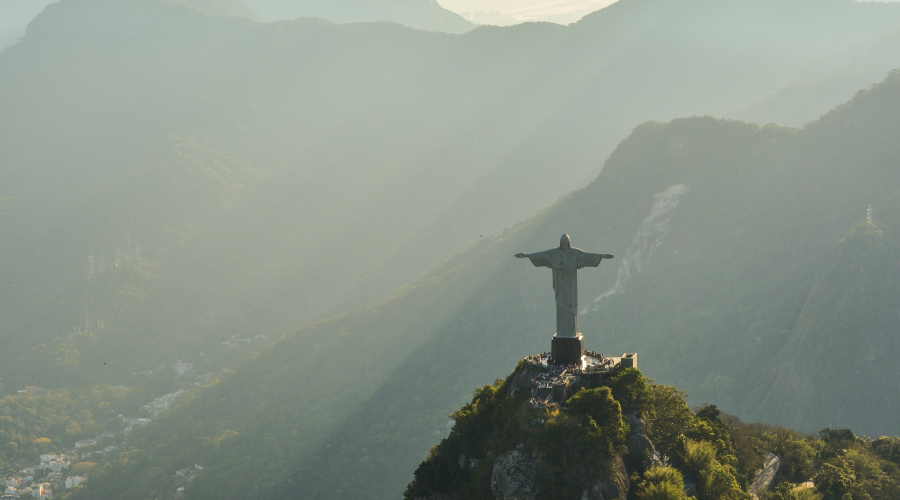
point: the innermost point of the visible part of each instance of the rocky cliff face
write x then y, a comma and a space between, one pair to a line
639, 445
515, 477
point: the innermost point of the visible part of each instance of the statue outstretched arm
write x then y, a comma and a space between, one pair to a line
539, 259
586, 259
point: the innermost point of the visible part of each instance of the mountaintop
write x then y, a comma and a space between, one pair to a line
504, 445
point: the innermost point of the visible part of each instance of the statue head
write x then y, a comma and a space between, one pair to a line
564, 242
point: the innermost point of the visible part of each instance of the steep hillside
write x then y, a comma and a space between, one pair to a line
845, 338
724, 236
826, 82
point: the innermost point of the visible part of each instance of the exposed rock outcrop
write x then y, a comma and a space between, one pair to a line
766, 476
437, 496
515, 476
522, 378
639, 445
613, 488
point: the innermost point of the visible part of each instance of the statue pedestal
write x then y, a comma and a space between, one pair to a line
567, 350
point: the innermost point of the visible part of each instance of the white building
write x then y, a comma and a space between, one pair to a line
57, 465
85, 442
73, 481
42, 490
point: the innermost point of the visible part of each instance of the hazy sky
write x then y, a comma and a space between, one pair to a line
518, 11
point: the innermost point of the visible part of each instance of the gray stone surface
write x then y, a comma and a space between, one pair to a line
615, 487
565, 262
638, 443
764, 479
514, 476
437, 496
522, 379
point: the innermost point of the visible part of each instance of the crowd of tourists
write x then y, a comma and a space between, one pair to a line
546, 380
556, 374
539, 401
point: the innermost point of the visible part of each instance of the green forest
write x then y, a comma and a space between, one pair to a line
48, 421
715, 454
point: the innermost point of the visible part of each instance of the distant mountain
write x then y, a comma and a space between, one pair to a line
741, 274
419, 14
150, 130
233, 8
174, 184
18, 13
826, 82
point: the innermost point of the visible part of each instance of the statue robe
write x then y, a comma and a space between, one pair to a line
565, 264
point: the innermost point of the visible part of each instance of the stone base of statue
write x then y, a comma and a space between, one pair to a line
567, 350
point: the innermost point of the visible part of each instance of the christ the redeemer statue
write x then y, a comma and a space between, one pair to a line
565, 262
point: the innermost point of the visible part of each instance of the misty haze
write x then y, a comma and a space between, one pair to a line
267, 249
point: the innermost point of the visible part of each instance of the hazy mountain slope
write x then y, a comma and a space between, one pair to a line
234, 8
845, 339
827, 82
235, 157
723, 234
797, 102
420, 14
845, 336
18, 13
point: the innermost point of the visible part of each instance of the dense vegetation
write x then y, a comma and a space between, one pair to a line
51, 421
577, 444
714, 454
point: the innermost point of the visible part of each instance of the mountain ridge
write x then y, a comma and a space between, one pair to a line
418, 14
725, 318
100, 91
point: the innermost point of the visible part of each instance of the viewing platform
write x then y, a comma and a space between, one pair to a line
555, 383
